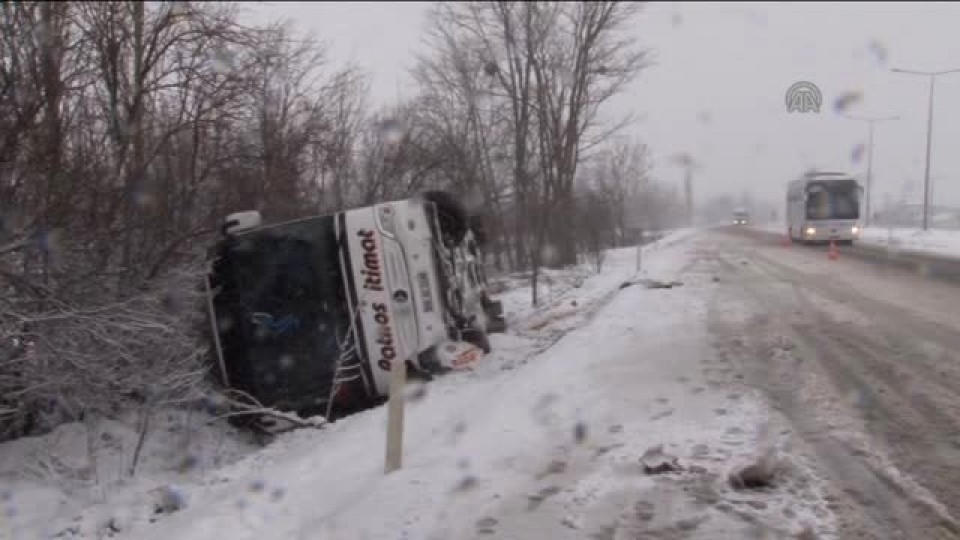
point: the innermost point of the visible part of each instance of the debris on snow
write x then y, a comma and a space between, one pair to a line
652, 284
467, 483
656, 461
487, 522
555, 467
536, 500
691, 524
760, 474
644, 510
661, 415
785, 344
170, 499
570, 523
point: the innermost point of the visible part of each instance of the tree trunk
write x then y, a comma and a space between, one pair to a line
135, 167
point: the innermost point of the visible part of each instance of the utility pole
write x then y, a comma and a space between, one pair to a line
689, 165
870, 122
926, 173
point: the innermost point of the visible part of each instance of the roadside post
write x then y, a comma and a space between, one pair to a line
393, 458
639, 250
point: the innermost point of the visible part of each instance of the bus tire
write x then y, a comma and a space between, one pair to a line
421, 372
429, 364
453, 216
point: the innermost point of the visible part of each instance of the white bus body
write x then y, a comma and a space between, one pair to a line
395, 286
824, 207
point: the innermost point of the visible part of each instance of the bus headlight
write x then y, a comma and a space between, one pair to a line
855, 230
386, 221
810, 231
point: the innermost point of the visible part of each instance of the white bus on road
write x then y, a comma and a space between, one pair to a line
824, 207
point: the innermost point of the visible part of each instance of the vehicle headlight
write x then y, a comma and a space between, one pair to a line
386, 221
811, 231
855, 230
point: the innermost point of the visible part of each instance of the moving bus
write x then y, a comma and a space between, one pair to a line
310, 316
824, 207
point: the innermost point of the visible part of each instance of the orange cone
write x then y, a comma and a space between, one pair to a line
833, 254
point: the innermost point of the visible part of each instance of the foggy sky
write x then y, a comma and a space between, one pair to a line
718, 87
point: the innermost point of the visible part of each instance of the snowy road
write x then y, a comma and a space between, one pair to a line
862, 360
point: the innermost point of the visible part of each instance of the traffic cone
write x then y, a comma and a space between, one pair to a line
833, 254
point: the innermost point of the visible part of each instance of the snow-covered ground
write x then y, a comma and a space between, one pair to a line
770, 227
933, 241
939, 242
544, 439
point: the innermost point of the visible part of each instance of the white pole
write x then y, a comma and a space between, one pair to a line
639, 250
394, 449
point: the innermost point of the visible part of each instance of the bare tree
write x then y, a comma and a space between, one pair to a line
587, 62
127, 130
619, 174
549, 67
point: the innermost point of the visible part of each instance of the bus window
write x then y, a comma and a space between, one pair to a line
833, 204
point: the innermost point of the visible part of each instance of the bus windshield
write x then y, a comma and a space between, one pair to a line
281, 309
839, 200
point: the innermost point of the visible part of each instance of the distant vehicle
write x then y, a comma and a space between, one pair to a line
741, 217
824, 207
311, 315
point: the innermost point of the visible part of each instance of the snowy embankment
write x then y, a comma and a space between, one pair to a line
934, 241
544, 439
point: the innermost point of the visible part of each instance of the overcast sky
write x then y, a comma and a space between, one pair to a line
718, 87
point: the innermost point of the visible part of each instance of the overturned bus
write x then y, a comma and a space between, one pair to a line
311, 315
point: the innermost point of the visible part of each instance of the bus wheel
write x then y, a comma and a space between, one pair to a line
430, 364
426, 370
